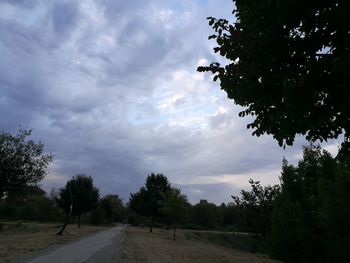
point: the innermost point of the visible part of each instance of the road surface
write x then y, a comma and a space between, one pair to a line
101, 247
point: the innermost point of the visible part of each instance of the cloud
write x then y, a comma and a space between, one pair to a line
111, 89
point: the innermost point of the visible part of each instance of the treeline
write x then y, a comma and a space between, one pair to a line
23, 165
305, 218
83, 206
159, 204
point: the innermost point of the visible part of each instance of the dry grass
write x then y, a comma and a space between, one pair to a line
142, 246
20, 240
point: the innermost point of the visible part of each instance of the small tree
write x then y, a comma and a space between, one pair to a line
256, 207
78, 196
173, 207
22, 164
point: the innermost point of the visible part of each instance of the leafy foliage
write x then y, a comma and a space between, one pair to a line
80, 193
112, 207
174, 207
147, 200
256, 207
288, 65
22, 164
311, 217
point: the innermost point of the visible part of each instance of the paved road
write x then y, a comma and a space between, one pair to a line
101, 247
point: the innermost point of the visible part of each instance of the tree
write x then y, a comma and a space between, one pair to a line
313, 210
113, 208
256, 207
22, 163
205, 215
173, 207
288, 65
78, 196
147, 200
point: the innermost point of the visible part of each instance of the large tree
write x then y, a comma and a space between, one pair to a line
147, 200
288, 64
311, 215
22, 163
78, 196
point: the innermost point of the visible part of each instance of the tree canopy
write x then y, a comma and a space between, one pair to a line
288, 65
80, 193
147, 200
311, 215
22, 163
173, 207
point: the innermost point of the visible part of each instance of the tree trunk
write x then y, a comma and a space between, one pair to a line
68, 214
151, 228
174, 230
59, 233
79, 220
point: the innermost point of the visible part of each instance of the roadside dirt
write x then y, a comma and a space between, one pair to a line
29, 238
158, 247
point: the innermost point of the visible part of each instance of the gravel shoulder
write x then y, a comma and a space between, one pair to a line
142, 246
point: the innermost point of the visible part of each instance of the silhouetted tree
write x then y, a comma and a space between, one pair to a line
147, 200
78, 196
22, 164
311, 217
256, 207
113, 208
288, 65
174, 207
205, 215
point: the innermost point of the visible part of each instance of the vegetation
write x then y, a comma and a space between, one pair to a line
316, 193
306, 218
173, 207
78, 197
22, 165
256, 206
288, 65
147, 200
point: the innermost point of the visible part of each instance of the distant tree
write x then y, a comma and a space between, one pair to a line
205, 215
256, 207
230, 217
138, 202
174, 207
288, 64
147, 200
22, 164
78, 196
113, 208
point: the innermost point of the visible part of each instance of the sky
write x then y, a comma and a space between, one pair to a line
111, 88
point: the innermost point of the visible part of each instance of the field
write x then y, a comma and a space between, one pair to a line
22, 239
190, 246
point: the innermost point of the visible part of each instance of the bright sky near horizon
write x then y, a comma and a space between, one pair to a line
111, 88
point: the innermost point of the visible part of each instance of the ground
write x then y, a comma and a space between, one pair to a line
23, 239
32, 241
142, 246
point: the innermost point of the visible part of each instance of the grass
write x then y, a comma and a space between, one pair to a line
238, 241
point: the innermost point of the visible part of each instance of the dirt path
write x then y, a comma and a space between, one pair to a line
157, 247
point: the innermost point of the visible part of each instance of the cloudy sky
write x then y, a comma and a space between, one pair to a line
111, 88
